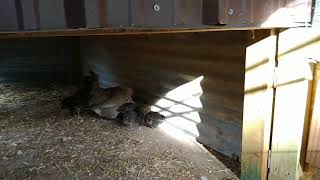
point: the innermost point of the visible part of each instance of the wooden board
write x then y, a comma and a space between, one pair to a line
29, 14
188, 12
291, 112
8, 16
61, 14
52, 14
144, 13
293, 82
313, 152
92, 14
116, 31
263, 13
257, 113
75, 13
38, 62
311, 173
118, 13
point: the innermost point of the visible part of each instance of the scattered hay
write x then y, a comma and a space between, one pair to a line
39, 140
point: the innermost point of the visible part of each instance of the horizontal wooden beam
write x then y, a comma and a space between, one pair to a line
115, 31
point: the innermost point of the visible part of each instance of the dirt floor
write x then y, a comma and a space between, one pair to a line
38, 140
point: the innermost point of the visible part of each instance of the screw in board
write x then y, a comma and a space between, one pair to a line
156, 7
230, 11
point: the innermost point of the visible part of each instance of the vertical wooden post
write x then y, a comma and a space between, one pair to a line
313, 153
258, 107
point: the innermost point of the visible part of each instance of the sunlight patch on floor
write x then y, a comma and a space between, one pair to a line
181, 107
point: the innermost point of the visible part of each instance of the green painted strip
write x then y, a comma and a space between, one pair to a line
251, 172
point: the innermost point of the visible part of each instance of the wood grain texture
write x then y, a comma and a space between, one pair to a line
37, 13
292, 102
75, 13
313, 152
43, 62
8, 16
188, 12
271, 13
29, 15
287, 119
19, 14
157, 64
118, 13
118, 31
294, 76
52, 14
311, 173
102, 13
92, 13
258, 107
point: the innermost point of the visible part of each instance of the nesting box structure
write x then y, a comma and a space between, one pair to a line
62, 14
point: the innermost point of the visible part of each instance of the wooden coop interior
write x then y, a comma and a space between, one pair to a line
240, 77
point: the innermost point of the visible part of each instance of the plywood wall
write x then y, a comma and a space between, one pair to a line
45, 61
158, 64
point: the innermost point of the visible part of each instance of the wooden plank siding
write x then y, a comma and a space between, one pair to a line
8, 16
157, 64
57, 15
262, 13
39, 62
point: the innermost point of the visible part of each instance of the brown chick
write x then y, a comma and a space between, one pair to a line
110, 97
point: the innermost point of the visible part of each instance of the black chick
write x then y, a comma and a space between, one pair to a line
127, 107
142, 110
153, 119
80, 100
129, 119
124, 108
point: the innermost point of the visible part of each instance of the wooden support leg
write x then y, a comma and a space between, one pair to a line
258, 106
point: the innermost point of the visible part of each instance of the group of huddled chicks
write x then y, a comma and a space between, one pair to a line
133, 114
112, 103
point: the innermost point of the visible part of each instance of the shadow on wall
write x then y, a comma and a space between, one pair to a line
185, 120
181, 107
